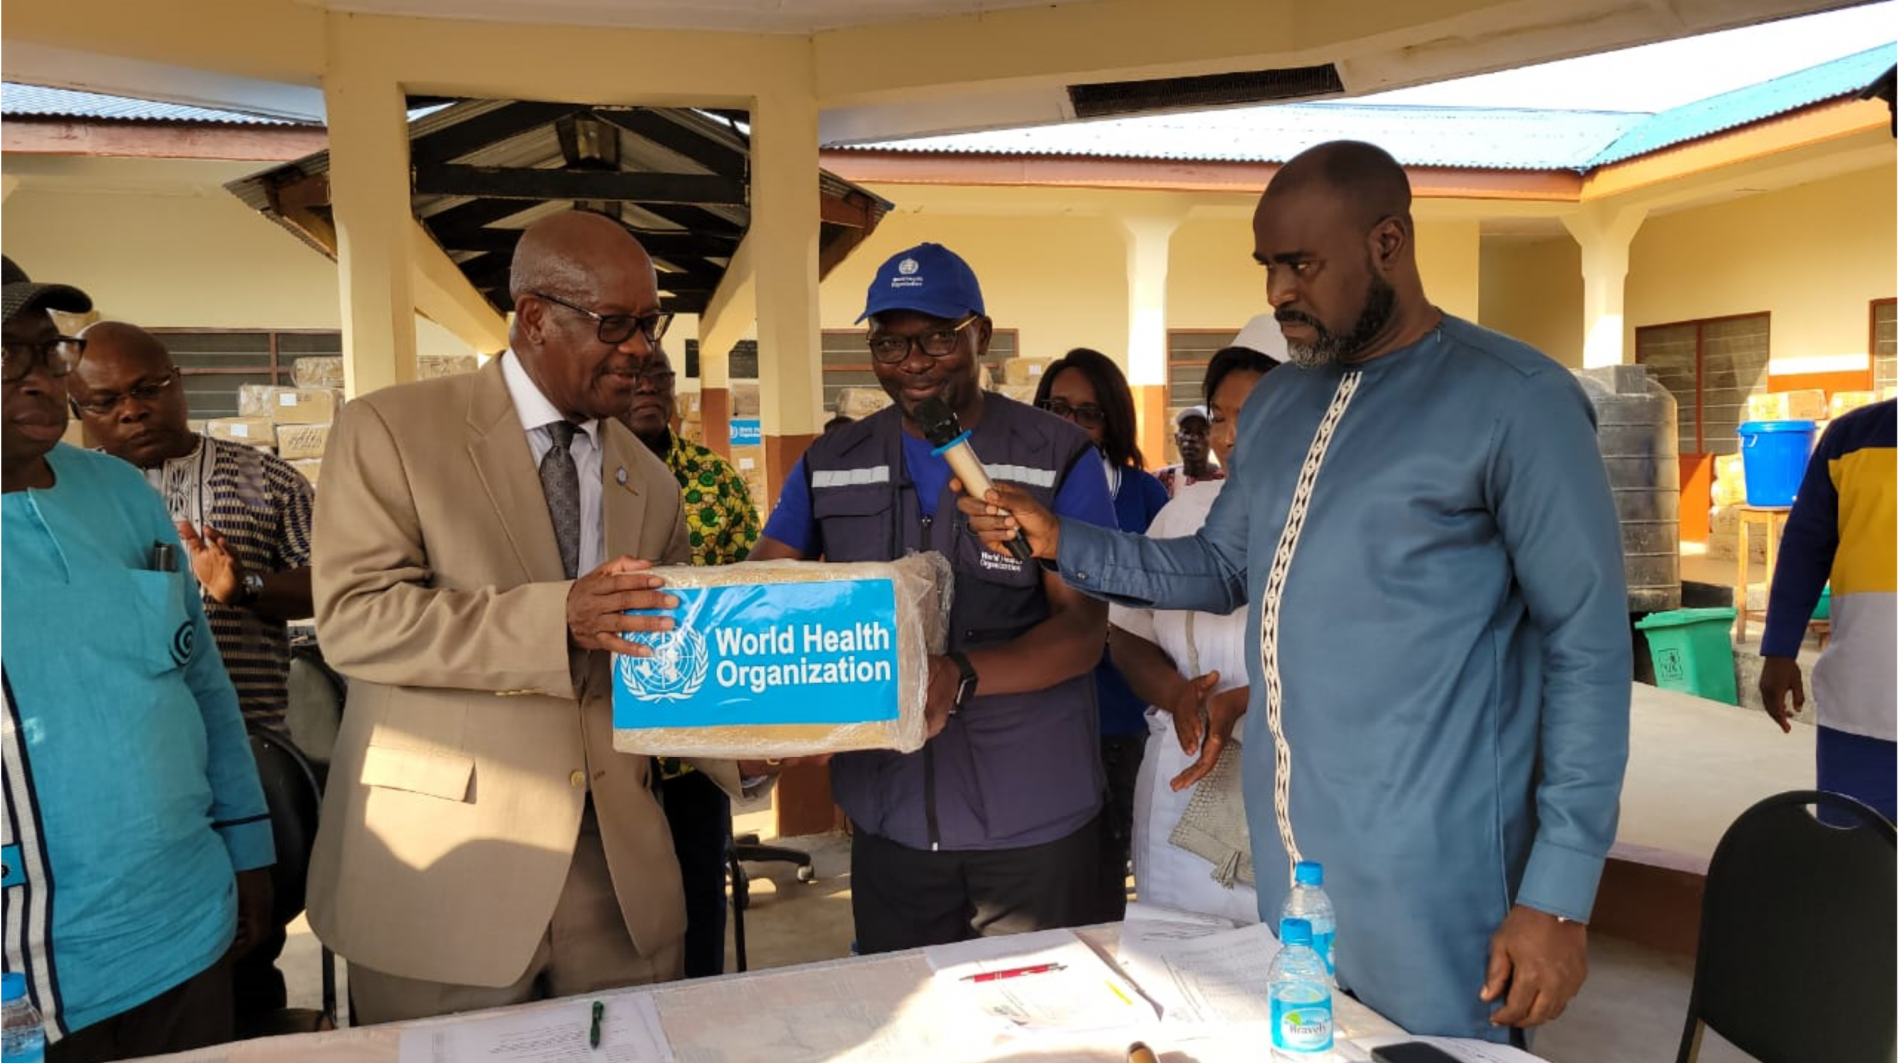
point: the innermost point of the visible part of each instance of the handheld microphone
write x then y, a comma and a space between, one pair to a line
940, 426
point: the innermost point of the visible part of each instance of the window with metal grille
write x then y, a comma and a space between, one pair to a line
1882, 343
1189, 351
214, 363
848, 361
1712, 366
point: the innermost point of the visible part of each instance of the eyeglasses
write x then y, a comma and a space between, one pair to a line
1086, 415
147, 393
616, 329
57, 356
936, 342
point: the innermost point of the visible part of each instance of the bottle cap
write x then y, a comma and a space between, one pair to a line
12, 987
1296, 932
1309, 873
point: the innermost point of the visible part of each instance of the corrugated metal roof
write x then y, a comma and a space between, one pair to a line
1846, 76
1473, 138
22, 101
1464, 137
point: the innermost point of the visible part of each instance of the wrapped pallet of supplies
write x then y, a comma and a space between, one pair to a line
774, 659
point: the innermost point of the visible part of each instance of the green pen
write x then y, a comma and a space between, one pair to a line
593, 1031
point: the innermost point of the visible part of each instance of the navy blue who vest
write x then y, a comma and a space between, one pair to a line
1009, 770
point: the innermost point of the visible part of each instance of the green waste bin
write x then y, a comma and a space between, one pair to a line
1691, 651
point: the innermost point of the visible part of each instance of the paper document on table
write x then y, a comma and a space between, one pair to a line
558, 1033
1218, 977
858, 1011
1462, 1049
1036, 983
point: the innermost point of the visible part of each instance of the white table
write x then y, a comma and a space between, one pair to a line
857, 1010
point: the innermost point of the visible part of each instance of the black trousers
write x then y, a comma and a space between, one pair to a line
904, 898
700, 814
1121, 763
257, 986
193, 1014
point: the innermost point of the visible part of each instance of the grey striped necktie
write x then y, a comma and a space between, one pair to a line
561, 482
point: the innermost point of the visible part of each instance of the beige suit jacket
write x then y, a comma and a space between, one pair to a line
473, 732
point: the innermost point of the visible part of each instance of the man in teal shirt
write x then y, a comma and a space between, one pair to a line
135, 832
1421, 525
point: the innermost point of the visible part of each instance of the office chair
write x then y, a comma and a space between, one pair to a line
293, 797
1796, 959
747, 848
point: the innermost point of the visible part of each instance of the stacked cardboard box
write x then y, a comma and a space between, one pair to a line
299, 442
691, 428
309, 467
321, 371
289, 405
859, 403
251, 431
430, 366
744, 397
1805, 405
1842, 401
1725, 524
1025, 370
1728, 487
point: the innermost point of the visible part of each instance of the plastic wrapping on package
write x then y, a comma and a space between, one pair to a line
771, 659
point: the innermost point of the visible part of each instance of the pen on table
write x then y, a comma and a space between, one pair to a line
1013, 972
1141, 1053
593, 1031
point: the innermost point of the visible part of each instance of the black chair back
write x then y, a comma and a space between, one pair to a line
294, 799
1796, 960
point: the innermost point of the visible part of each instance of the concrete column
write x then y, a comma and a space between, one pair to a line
1147, 237
783, 240
369, 194
1604, 235
730, 316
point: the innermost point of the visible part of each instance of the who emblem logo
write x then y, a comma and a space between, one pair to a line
674, 672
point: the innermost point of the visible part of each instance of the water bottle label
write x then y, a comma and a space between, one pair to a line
1303, 1026
1323, 944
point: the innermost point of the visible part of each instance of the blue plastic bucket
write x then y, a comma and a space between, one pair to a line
1774, 457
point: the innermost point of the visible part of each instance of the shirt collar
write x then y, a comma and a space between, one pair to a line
531, 405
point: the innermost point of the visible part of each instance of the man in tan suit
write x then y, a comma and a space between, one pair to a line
481, 842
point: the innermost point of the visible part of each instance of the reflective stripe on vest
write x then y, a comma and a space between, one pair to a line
875, 474
1022, 474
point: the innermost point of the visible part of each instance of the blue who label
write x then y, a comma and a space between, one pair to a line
774, 653
745, 432
1302, 1019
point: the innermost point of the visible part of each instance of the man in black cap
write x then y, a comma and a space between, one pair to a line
135, 832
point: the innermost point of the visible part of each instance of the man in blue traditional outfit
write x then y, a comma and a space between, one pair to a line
1423, 529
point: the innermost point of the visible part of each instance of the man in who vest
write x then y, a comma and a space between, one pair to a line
990, 828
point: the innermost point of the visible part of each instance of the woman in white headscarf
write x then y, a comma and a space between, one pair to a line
1192, 670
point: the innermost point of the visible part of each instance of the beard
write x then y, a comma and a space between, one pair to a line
1329, 348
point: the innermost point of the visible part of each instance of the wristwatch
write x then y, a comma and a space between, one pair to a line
250, 587
966, 681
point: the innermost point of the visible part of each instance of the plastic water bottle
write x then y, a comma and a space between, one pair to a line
1308, 901
22, 1038
1300, 995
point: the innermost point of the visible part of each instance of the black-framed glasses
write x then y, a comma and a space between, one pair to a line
616, 329
1087, 415
146, 393
57, 356
936, 342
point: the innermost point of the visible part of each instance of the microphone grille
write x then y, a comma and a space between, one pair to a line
937, 419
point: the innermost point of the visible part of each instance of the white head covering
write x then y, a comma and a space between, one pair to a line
1263, 334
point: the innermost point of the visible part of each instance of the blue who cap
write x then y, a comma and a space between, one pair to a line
929, 279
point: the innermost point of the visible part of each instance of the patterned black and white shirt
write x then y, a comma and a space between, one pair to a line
262, 507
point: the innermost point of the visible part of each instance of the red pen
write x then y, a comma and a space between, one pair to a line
1014, 972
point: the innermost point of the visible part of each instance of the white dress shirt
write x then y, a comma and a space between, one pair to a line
536, 412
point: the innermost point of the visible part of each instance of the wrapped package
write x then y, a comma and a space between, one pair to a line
296, 442
1842, 401
251, 431
430, 366
318, 371
289, 405
771, 659
1806, 404
859, 403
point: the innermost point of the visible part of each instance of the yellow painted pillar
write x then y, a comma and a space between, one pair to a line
783, 240
730, 316
1604, 235
369, 194
1147, 237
